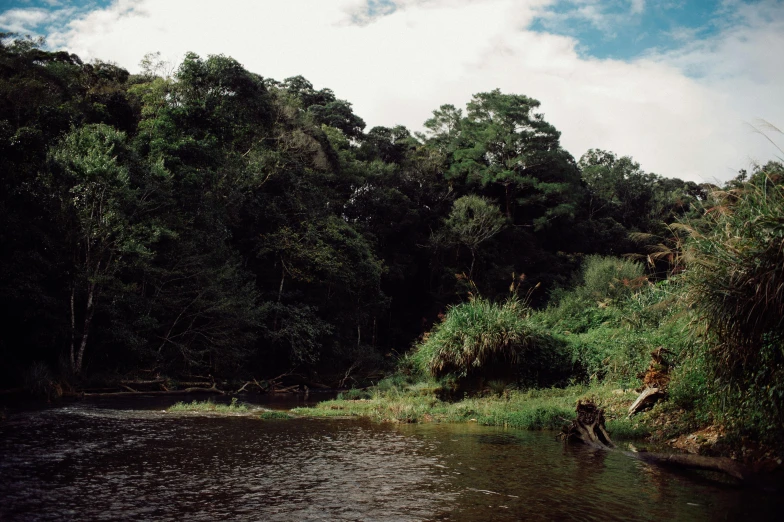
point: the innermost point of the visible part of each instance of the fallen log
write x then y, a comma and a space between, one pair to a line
722, 464
648, 397
588, 428
287, 389
143, 382
254, 382
212, 389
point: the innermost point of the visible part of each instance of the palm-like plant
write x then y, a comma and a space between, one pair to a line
736, 275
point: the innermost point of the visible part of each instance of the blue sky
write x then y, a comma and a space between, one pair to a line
622, 29
679, 85
45, 15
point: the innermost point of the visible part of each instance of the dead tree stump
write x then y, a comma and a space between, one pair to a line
588, 427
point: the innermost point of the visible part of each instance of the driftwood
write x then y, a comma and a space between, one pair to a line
722, 464
133, 392
655, 379
647, 398
287, 389
589, 429
159, 380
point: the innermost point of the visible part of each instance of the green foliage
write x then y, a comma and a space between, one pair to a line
536, 409
736, 272
505, 146
354, 394
483, 339
274, 415
472, 335
209, 407
612, 340
610, 279
472, 221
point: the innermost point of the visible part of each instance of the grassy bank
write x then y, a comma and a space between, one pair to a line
208, 407
538, 409
235, 408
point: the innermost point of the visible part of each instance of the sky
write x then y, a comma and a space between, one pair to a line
689, 89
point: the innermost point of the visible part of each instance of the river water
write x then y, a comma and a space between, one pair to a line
130, 461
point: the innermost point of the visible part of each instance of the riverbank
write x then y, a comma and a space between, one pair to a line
549, 409
538, 409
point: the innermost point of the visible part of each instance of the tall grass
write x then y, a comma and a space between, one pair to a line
472, 334
736, 270
487, 339
735, 285
209, 407
536, 409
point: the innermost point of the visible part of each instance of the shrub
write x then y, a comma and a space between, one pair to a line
610, 278
38, 382
483, 339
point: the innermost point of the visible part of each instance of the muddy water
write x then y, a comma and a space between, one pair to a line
129, 461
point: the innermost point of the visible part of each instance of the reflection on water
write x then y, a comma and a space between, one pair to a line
91, 462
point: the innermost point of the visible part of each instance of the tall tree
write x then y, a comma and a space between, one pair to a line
504, 146
104, 218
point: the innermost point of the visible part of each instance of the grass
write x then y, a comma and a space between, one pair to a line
537, 409
209, 407
235, 408
471, 335
274, 415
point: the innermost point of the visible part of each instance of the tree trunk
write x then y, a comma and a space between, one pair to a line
88, 319
280, 295
73, 328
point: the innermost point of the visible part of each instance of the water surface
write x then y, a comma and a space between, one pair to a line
126, 461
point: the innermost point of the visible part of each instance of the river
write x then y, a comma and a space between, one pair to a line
127, 460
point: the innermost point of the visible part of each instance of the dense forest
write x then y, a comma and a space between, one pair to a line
206, 220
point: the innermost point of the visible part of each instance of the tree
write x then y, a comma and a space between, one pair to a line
618, 188
324, 107
503, 143
103, 217
472, 221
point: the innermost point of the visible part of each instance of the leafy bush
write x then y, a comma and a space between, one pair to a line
610, 278
613, 340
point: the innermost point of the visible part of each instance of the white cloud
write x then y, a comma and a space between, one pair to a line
29, 20
23, 20
399, 67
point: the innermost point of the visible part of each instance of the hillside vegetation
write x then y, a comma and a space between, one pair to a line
214, 222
